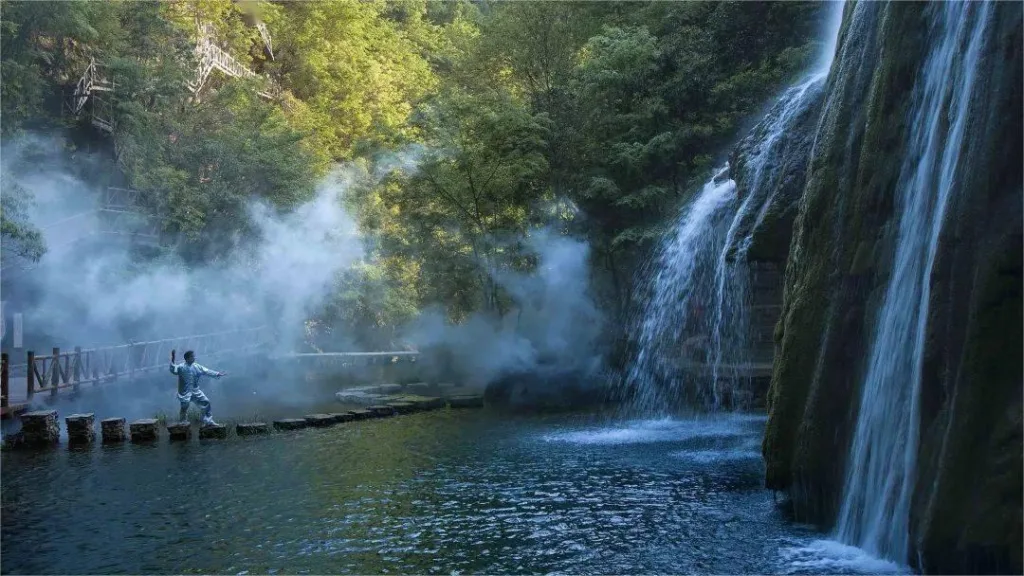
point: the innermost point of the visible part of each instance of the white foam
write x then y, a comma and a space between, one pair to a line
652, 431
710, 456
832, 557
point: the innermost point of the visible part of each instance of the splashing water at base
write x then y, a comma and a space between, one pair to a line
831, 557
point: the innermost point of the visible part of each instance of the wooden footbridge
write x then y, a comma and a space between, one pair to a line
71, 370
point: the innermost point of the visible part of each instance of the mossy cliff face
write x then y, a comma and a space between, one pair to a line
966, 514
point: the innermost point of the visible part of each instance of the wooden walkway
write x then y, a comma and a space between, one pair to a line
70, 370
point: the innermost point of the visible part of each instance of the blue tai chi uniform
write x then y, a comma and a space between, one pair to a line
188, 386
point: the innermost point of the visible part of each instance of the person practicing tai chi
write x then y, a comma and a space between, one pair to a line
188, 373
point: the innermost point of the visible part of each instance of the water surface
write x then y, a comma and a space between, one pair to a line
441, 492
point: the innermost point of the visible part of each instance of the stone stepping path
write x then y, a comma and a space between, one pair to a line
43, 428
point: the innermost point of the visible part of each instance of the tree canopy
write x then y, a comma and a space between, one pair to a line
505, 109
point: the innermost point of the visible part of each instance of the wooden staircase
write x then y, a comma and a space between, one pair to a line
94, 85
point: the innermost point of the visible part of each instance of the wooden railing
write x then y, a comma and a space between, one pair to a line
91, 83
61, 370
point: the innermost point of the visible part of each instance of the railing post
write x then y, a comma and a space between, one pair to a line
131, 366
5, 385
55, 372
76, 369
30, 379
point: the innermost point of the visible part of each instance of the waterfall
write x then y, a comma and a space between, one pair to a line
875, 512
681, 269
729, 349
693, 338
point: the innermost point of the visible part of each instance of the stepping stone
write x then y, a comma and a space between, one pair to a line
80, 428
431, 403
144, 430
474, 401
252, 428
421, 388
357, 398
319, 420
113, 430
390, 388
361, 414
213, 431
179, 431
40, 428
404, 407
290, 424
339, 417
381, 411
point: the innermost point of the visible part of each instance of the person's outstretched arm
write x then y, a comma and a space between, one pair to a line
208, 372
174, 369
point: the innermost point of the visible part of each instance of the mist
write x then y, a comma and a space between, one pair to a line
554, 321
93, 288
96, 288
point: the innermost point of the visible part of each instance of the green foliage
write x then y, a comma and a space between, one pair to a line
17, 236
357, 69
511, 108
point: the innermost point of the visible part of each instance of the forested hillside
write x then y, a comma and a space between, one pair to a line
596, 118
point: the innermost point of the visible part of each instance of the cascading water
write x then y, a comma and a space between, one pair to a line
875, 512
681, 269
729, 348
693, 338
